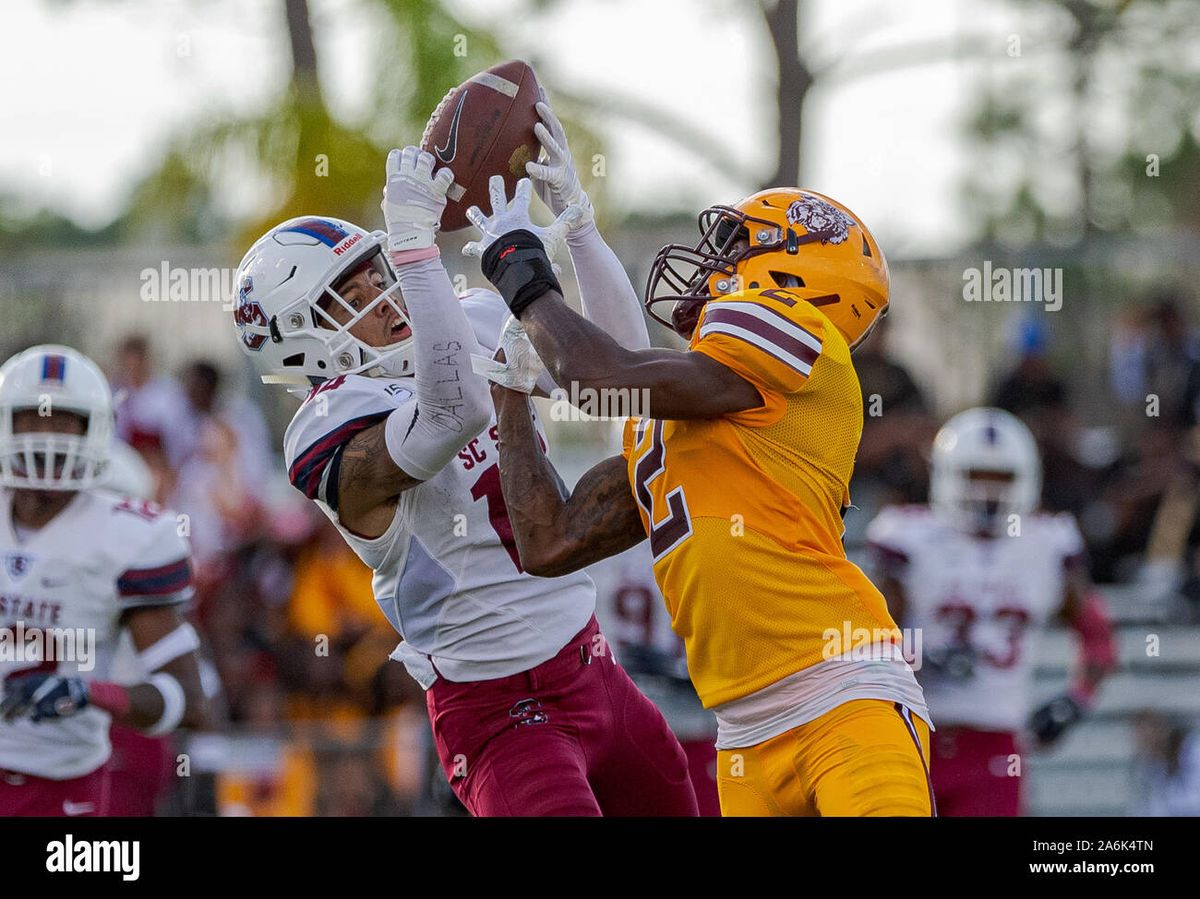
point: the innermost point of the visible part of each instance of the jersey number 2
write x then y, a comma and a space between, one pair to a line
676, 525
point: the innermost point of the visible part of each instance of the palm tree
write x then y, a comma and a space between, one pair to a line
312, 160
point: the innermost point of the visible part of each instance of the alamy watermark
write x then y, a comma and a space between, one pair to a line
873, 644
177, 284
72, 856
997, 284
599, 404
33, 645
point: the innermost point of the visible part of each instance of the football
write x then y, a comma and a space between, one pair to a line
481, 128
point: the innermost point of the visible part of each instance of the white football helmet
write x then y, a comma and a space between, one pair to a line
280, 284
50, 379
127, 472
986, 467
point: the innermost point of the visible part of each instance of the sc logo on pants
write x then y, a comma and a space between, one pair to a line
528, 711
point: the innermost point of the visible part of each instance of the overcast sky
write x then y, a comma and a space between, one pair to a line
93, 88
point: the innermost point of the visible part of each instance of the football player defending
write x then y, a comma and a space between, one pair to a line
739, 479
81, 563
396, 443
634, 617
981, 572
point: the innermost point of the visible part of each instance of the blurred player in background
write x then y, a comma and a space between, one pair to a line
739, 477
81, 564
396, 444
142, 765
981, 573
631, 611
148, 409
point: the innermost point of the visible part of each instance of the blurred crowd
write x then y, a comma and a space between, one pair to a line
324, 724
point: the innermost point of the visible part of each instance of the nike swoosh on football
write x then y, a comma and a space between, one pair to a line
73, 809
447, 153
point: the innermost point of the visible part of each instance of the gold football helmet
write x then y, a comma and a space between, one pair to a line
787, 238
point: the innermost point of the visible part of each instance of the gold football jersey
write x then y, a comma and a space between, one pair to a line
744, 512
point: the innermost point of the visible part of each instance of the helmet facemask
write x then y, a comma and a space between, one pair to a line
52, 460
785, 239
986, 498
986, 473
314, 317
688, 277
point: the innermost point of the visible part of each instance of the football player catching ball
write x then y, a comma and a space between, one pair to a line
739, 479
396, 444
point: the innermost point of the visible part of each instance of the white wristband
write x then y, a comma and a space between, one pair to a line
180, 641
174, 703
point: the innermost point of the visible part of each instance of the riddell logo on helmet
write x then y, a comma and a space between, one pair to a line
346, 244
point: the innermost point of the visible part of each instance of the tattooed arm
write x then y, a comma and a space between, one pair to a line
369, 483
411, 444
556, 532
449, 405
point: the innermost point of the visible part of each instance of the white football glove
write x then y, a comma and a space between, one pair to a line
413, 199
521, 368
555, 178
514, 216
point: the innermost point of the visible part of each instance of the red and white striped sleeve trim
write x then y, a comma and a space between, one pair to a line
763, 327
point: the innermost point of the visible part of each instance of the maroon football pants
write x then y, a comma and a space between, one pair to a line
141, 769
970, 770
27, 796
572, 736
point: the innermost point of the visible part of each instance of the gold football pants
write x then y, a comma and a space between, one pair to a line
867, 757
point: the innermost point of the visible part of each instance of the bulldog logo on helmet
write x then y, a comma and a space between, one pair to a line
249, 313
820, 219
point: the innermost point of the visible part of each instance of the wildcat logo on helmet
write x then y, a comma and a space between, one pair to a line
249, 312
820, 219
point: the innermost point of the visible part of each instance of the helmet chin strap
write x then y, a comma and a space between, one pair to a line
383, 371
398, 365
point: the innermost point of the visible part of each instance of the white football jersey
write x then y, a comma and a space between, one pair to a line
994, 595
447, 573
630, 606
70, 582
634, 619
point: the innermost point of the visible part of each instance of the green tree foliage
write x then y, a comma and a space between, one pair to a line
313, 160
1091, 127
